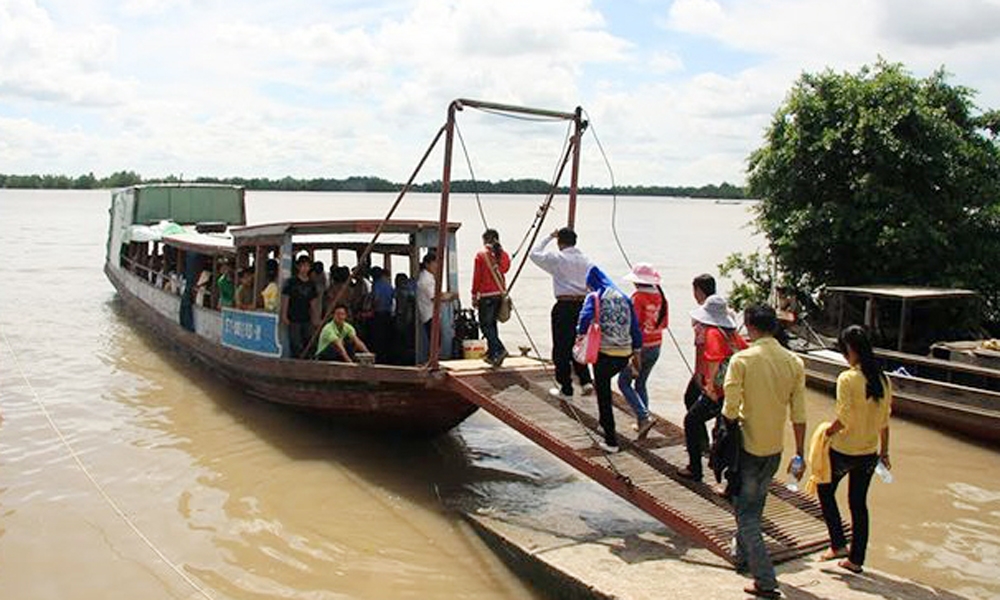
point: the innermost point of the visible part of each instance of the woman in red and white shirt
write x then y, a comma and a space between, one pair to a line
651, 308
721, 340
488, 288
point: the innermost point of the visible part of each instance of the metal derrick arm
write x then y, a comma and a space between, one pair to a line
442, 249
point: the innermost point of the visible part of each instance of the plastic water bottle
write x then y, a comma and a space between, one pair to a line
883, 472
795, 474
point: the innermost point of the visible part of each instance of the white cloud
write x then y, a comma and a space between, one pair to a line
347, 87
666, 62
146, 8
40, 62
945, 24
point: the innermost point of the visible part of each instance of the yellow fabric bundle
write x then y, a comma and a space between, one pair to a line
819, 458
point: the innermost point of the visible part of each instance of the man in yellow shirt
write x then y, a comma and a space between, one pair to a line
765, 384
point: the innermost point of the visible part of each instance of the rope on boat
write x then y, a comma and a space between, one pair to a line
371, 244
614, 230
543, 208
500, 113
539, 217
472, 174
100, 489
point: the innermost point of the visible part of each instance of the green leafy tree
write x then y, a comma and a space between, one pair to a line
880, 177
752, 276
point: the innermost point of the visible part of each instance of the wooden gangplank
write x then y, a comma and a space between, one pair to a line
644, 473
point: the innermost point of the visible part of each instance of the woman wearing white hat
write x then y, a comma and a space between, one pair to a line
721, 341
651, 308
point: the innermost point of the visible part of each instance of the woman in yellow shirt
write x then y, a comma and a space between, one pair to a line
864, 401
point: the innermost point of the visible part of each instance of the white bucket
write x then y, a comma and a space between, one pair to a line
473, 348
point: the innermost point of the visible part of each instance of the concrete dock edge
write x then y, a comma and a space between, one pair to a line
659, 564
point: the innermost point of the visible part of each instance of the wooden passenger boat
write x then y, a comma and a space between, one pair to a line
164, 238
952, 395
247, 347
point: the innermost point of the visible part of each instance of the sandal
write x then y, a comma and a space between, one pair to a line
833, 554
753, 590
849, 566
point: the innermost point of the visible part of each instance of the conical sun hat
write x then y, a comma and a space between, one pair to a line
714, 311
643, 273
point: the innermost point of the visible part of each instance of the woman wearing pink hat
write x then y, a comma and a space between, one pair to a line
651, 308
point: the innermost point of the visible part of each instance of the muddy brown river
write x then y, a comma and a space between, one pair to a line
126, 471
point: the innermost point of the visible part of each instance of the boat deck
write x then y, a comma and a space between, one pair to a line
644, 473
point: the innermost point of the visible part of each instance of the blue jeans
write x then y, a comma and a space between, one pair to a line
756, 473
637, 396
488, 308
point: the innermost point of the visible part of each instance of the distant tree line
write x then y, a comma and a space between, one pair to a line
362, 184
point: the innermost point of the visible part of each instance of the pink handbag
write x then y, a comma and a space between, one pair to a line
587, 346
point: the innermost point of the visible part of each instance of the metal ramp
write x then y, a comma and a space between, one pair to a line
646, 470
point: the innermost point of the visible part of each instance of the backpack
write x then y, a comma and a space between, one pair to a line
720, 374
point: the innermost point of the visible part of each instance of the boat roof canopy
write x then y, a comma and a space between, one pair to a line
202, 243
188, 203
898, 292
271, 232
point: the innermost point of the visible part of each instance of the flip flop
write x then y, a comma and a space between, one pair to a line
833, 554
849, 566
753, 590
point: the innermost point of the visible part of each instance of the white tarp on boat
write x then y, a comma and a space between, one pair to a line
153, 233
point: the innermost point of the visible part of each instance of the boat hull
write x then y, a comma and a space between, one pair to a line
404, 400
969, 412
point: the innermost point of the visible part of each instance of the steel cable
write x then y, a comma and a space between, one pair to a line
614, 230
540, 216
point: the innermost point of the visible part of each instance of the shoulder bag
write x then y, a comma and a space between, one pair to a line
588, 345
503, 311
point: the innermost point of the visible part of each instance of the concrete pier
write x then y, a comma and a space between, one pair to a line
631, 556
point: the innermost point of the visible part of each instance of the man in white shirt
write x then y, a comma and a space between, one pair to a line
568, 267
426, 285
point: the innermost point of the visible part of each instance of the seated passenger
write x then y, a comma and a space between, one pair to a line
244, 292
338, 340
271, 296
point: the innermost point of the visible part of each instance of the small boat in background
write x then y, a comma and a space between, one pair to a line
907, 325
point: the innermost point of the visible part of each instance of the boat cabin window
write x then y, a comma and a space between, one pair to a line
378, 288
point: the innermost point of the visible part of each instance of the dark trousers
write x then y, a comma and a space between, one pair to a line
380, 336
330, 353
695, 434
299, 336
488, 308
691, 395
606, 368
565, 314
860, 469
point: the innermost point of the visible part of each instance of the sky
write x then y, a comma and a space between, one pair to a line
677, 92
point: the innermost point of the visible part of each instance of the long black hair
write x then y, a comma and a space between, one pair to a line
491, 237
856, 338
